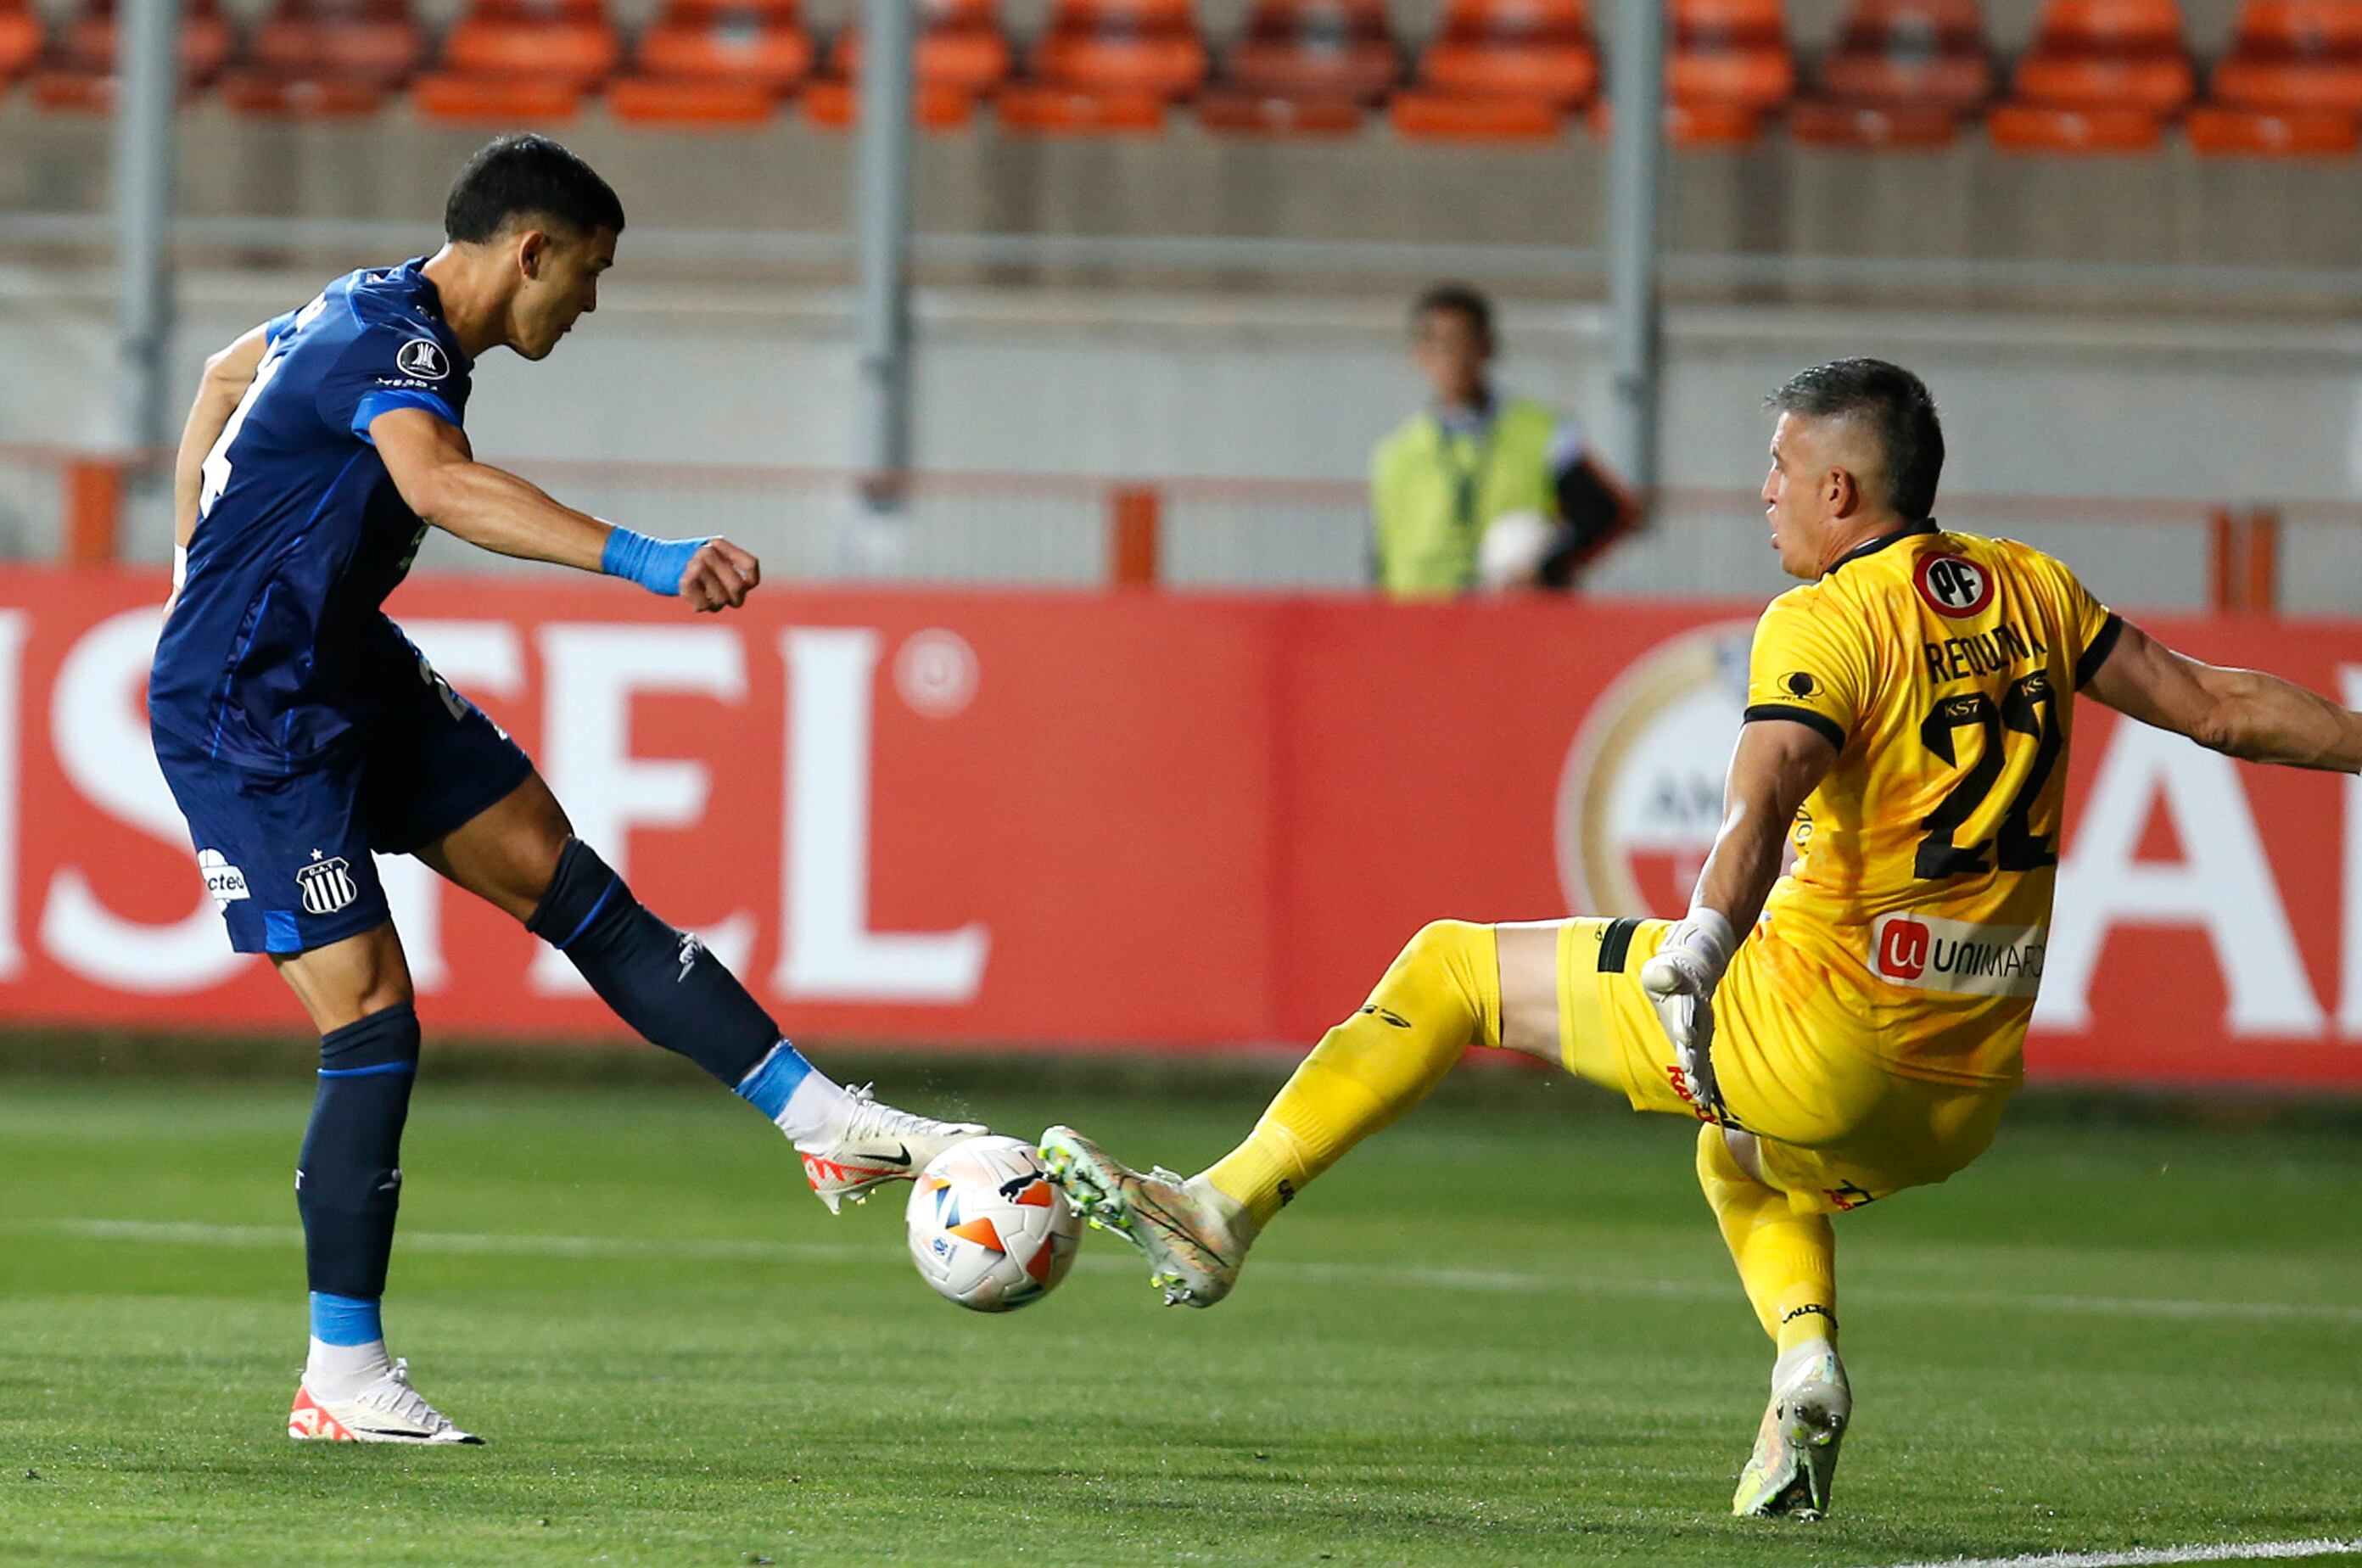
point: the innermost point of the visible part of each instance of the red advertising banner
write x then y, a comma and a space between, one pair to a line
1137, 820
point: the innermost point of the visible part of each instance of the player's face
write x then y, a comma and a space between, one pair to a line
1451, 351
561, 284
1796, 499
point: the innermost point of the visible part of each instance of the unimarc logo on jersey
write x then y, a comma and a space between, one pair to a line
1927, 953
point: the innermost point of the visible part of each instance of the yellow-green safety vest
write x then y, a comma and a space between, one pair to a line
1432, 494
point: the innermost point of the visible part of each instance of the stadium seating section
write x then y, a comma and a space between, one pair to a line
2100, 76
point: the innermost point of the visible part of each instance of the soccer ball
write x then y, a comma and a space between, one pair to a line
987, 1227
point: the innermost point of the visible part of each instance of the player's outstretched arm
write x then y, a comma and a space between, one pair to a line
434, 469
2239, 713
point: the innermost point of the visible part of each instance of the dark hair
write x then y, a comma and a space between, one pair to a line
1895, 405
529, 175
1461, 297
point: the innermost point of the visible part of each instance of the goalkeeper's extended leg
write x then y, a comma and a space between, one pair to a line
1442, 995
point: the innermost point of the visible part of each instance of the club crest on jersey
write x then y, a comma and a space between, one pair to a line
1953, 585
327, 886
423, 357
224, 882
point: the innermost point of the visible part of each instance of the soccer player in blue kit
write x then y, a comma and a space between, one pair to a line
300, 731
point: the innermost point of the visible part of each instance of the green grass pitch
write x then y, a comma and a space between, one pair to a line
1492, 1336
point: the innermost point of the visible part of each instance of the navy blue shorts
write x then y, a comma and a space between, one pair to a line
286, 856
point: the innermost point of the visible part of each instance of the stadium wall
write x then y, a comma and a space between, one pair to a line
1171, 822
1130, 384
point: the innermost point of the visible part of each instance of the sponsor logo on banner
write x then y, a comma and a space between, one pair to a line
224, 882
1639, 798
1929, 953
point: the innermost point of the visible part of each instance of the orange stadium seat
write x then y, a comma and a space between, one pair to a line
2036, 127
1122, 48
961, 46
1900, 55
1729, 52
21, 38
1420, 116
760, 43
1232, 110
962, 55
2294, 57
1033, 109
2219, 132
519, 60
1319, 49
1822, 122
80, 74
713, 64
2108, 54
568, 40
1536, 50
325, 58
376, 40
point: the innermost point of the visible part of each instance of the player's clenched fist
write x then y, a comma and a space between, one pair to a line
720, 575
711, 574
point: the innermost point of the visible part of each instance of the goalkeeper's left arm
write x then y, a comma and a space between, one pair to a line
1777, 763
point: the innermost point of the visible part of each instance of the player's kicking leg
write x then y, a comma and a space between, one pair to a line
521, 854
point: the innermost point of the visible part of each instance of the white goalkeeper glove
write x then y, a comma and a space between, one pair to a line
1680, 981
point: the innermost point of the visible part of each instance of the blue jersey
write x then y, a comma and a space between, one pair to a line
274, 646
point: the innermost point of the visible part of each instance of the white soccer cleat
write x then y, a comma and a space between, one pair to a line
877, 1144
1193, 1250
389, 1410
1796, 1456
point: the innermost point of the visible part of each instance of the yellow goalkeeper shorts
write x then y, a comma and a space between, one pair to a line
1838, 1127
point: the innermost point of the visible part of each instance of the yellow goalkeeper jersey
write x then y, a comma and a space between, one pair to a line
1944, 668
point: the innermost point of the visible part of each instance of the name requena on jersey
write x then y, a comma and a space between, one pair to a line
1982, 653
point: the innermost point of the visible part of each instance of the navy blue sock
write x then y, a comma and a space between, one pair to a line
661, 981
348, 1178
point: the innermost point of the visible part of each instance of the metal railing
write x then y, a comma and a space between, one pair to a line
809, 524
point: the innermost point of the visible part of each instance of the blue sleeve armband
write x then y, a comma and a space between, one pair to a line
656, 565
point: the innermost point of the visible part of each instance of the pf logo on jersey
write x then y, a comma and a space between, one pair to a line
1954, 585
327, 886
423, 357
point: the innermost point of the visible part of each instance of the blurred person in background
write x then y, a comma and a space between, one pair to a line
1479, 489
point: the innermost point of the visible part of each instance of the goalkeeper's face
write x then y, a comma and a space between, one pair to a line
558, 284
1803, 494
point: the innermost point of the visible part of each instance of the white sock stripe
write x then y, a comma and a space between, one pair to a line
1499, 1281
2142, 1557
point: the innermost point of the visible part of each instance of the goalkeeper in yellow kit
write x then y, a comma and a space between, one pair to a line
1909, 713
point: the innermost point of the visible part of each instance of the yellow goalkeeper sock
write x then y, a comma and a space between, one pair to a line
1787, 1261
1442, 995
